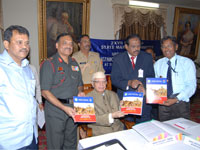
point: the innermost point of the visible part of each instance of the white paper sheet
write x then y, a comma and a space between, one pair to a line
40, 118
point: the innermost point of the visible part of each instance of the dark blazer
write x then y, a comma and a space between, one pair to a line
122, 70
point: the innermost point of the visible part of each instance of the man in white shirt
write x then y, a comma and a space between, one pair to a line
18, 129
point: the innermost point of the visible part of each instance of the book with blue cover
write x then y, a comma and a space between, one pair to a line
84, 107
132, 103
156, 90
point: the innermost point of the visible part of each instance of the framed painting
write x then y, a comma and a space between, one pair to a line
61, 16
187, 30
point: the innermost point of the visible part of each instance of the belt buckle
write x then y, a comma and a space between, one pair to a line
70, 101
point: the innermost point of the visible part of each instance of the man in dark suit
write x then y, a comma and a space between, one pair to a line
129, 72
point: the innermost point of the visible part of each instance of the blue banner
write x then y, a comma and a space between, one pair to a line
109, 48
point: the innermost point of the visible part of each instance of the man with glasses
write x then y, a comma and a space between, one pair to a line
106, 104
181, 85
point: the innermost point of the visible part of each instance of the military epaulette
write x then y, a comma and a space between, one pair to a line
50, 59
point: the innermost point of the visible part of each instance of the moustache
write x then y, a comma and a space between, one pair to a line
137, 51
24, 50
68, 48
87, 45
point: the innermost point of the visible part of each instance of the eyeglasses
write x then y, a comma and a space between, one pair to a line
98, 82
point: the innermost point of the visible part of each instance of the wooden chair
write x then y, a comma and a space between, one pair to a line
87, 88
128, 124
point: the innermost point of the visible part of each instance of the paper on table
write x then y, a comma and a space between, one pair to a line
185, 124
40, 118
150, 130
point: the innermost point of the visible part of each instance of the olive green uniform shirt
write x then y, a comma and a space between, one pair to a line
60, 78
88, 65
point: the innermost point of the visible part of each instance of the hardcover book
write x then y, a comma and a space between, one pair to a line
84, 107
156, 90
132, 103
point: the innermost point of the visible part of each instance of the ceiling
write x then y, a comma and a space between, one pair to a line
186, 3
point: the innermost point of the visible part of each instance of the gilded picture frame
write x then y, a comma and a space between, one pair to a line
58, 16
187, 30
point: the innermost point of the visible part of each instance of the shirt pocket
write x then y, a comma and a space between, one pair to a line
75, 77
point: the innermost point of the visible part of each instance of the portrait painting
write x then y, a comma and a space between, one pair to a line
61, 16
187, 29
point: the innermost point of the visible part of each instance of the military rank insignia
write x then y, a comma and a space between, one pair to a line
75, 68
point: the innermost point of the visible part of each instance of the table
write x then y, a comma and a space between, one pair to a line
133, 140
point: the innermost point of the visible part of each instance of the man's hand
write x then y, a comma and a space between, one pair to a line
41, 107
134, 83
81, 94
70, 111
170, 102
117, 114
141, 89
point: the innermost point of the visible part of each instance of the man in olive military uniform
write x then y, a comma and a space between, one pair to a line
88, 61
60, 78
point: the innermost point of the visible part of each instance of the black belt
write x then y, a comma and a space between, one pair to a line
66, 101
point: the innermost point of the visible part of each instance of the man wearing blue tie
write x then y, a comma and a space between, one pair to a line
181, 75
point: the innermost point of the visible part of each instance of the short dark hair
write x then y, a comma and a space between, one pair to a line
82, 36
172, 38
131, 37
149, 47
61, 35
9, 32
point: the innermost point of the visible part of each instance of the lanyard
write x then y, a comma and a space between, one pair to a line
174, 69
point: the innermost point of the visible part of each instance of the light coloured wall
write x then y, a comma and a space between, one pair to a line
101, 19
24, 12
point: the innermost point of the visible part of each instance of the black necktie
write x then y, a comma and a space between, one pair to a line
169, 80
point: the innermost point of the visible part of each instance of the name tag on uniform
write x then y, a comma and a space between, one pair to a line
140, 73
82, 63
75, 68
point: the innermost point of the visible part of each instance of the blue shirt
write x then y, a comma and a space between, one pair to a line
183, 75
17, 104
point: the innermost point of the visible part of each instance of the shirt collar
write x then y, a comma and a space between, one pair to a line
131, 56
173, 59
8, 59
89, 54
60, 60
